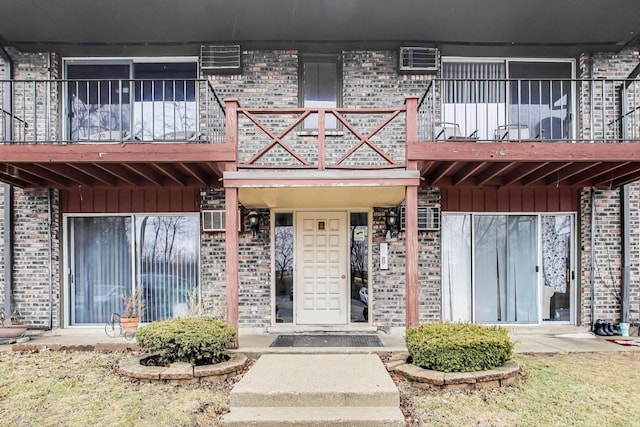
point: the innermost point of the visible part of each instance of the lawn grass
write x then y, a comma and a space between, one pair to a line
82, 388
590, 389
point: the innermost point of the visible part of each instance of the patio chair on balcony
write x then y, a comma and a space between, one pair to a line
108, 136
512, 133
451, 131
181, 136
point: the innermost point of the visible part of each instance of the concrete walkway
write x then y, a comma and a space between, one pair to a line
545, 340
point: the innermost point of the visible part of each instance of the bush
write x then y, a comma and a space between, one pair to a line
196, 340
458, 347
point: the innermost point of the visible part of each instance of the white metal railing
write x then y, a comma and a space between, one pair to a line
524, 110
75, 111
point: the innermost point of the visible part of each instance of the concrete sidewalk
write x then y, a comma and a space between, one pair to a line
534, 340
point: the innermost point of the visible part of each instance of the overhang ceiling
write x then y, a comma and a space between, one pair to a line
526, 164
457, 27
105, 166
321, 197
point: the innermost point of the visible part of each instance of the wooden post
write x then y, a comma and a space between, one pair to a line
411, 241
411, 222
231, 218
231, 124
321, 125
231, 255
411, 125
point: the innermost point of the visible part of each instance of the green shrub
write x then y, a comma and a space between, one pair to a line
196, 340
458, 347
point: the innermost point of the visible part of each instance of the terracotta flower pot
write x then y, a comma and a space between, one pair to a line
12, 331
129, 323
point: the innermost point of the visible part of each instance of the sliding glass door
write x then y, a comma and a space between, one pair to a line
131, 99
491, 268
109, 255
100, 267
505, 269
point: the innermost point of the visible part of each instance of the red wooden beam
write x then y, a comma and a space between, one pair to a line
522, 152
411, 259
231, 256
115, 153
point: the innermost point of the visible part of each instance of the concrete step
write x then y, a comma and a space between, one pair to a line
362, 416
316, 380
315, 390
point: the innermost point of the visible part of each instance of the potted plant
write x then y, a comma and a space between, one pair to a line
11, 327
134, 305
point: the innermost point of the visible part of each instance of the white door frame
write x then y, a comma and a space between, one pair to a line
321, 302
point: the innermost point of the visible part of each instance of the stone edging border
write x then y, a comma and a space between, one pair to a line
426, 379
181, 372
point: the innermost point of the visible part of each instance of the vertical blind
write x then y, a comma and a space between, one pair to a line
107, 260
473, 82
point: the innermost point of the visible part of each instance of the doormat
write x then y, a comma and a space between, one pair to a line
326, 341
628, 343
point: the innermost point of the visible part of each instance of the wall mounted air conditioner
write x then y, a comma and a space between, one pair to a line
215, 220
221, 59
428, 218
419, 59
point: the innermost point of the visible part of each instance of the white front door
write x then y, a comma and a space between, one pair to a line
321, 270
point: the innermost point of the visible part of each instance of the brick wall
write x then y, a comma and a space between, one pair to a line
429, 263
388, 289
35, 99
31, 273
606, 245
32, 276
389, 286
607, 238
254, 268
600, 66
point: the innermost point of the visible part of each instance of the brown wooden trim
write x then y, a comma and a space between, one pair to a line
523, 152
411, 117
509, 199
231, 255
302, 182
112, 200
412, 255
116, 153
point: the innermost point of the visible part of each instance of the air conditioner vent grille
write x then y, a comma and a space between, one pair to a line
220, 59
419, 59
215, 220
428, 218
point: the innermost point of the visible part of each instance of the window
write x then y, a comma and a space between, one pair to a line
283, 237
359, 261
508, 99
109, 255
491, 270
320, 87
131, 99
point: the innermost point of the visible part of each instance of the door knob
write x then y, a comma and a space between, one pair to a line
344, 277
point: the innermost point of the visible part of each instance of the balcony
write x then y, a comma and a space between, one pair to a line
178, 133
104, 111
528, 133
552, 110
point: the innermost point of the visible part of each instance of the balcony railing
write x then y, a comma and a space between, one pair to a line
530, 110
129, 111
319, 138
77, 111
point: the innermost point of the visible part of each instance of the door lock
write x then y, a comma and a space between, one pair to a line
343, 276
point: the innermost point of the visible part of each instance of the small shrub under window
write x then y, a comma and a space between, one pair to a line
196, 340
458, 347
